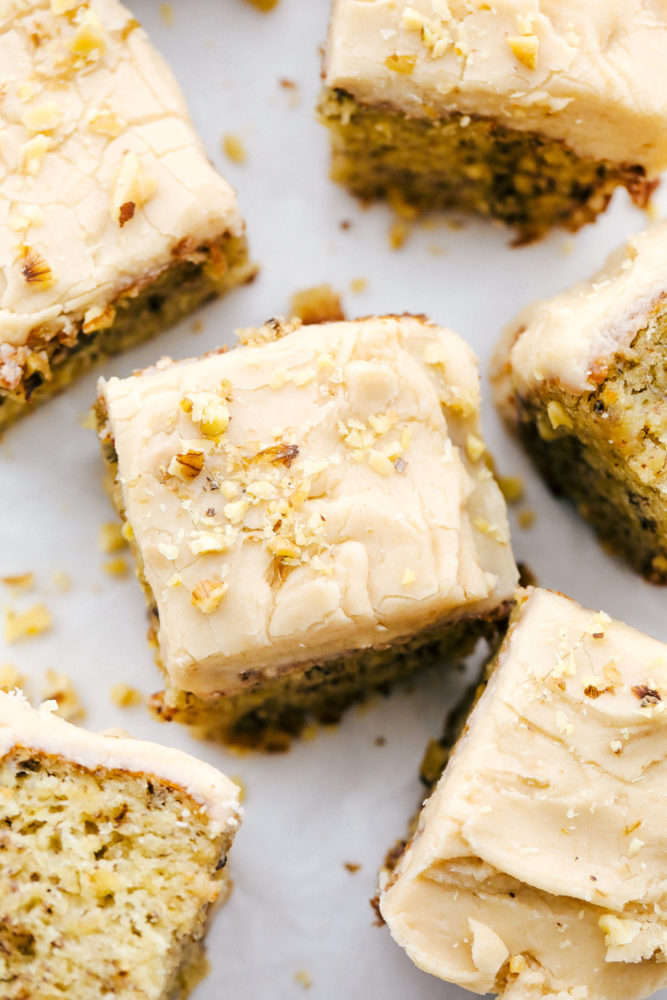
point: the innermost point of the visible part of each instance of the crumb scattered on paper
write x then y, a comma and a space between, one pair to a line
167, 14
60, 688
11, 678
116, 567
233, 148
23, 624
125, 696
526, 518
303, 978
111, 537
320, 304
19, 581
351, 866
61, 580
511, 488
358, 285
398, 234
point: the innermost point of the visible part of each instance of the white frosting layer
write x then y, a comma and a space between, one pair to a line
379, 520
599, 79
91, 120
571, 337
41, 730
538, 864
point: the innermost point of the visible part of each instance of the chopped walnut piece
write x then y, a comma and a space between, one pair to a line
98, 318
21, 624
401, 63
35, 270
186, 466
33, 153
525, 48
42, 117
209, 410
125, 696
511, 488
88, 40
132, 189
648, 696
319, 304
60, 688
207, 594
303, 977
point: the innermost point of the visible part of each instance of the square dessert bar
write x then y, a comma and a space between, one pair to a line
582, 378
113, 852
529, 112
537, 869
113, 223
312, 513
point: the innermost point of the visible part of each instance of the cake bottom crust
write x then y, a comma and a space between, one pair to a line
270, 714
54, 360
473, 164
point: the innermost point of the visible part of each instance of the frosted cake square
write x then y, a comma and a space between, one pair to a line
529, 112
113, 223
312, 513
113, 852
537, 870
581, 378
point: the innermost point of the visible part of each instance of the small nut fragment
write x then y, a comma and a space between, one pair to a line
60, 688
283, 548
209, 410
400, 63
233, 148
207, 594
33, 621
320, 304
187, 465
111, 537
558, 417
19, 581
525, 48
105, 122
43, 117
98, 318
33, 152
35, 270
132, 189
88, 39
124, 696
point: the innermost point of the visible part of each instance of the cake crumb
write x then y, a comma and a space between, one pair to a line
167, 14
398, 234
319, 304
197, 325
116, 567
60, 688
511, 488
111, 537
10, 678
233, 148
358, 285
125, 696
526, 518
21, 624
19, 581
264, 5
304, 978
351, 866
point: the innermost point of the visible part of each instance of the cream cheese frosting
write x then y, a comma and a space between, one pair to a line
39, 729
537, 869
103, 180
591, 74
572, 337
296, 499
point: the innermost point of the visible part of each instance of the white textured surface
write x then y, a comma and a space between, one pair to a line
340, 797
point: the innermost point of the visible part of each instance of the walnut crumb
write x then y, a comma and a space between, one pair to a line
233, 148
125, 696
118, 566
351, 866
511, 487
648, 696
207, 595
60, 688
111, 537
186, 466
10, 678
525, 48
19, 581
304, 978
22, 624
319, 304
36, 270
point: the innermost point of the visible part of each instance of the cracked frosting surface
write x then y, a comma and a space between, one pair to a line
570, 337
40, 729
297, 498
537, 869
101, 172
592, 74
